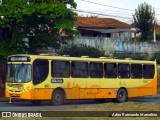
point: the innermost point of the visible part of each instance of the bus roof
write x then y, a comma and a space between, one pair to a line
83, 58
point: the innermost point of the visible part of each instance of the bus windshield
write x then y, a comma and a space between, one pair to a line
20, 73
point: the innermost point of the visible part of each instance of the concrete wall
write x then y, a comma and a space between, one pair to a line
110, 45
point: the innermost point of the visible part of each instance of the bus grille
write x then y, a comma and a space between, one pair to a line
14, 90
15, 85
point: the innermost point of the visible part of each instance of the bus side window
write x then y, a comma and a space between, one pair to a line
60, 69
148, 71
79, 69
96, 70
136, 71
123, 70
110, 70
40, 71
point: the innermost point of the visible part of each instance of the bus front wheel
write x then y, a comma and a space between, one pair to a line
122, 95
57, 97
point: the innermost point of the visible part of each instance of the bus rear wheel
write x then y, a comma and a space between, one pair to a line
122, 95
57, 97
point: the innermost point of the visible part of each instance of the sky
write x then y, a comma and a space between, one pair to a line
117, 9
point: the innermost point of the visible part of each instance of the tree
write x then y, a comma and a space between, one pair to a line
81, 50
38, 20
144, 20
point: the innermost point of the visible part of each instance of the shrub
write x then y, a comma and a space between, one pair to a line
81, 50
156, 56
134, 56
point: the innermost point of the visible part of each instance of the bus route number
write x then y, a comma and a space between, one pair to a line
57, 80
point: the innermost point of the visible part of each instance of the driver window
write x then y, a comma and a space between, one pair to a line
40, 71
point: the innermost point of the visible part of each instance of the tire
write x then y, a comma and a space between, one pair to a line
122, 95
36, 102
57, 97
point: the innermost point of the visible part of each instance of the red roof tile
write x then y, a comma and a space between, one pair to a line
101, 23
158, 27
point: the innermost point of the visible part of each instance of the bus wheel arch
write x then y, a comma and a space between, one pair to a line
58, 96
122, 95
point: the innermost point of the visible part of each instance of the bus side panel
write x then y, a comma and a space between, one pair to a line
150, 88
90, 93
43, 94
108, 93
133, 92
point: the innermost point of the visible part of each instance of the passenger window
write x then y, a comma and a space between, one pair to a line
123, 70
60, 69
79, 69
110, 70
40, 71
136, 71
96, 70
148, 71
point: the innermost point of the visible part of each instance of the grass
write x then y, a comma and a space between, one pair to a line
127, 106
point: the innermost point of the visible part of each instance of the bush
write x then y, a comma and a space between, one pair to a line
81, 50
134, 56
156, 56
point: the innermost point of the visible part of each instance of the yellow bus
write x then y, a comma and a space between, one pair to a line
59, 78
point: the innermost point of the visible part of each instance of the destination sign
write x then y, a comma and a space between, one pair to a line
19, 59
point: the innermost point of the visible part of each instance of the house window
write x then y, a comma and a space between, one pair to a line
108, 35
95, 34
82, 34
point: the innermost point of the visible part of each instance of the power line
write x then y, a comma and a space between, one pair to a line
107, 5
110, 6
107, 11
100, 14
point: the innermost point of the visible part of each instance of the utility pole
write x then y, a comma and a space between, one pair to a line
154, 31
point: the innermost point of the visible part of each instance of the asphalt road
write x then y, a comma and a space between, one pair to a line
46, 106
